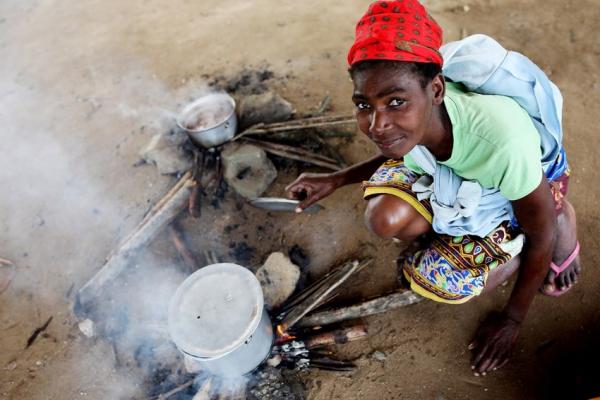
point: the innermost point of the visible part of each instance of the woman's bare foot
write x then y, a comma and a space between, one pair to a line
566, 242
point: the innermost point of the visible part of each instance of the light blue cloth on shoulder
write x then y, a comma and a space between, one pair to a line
460, 207
483, 66
480, 63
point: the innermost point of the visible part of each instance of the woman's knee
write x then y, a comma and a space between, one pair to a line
388, 216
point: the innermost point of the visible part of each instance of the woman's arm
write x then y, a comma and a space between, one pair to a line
310, 188
537, 217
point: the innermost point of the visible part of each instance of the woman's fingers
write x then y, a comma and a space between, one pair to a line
480, 353
298, 185
486, 360
310, 199
295, 188
497, 359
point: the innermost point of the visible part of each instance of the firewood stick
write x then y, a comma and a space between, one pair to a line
326, 280
309, 160
195, 195
160, 204
143, 234
184, 180
301, 122
329, 364
264, 130
322, 281
370, 307
298, 125
316, 299
296, 154
194, 200
332, 152
176, 390
182, 248
324, 105
206, 390
290, 149
339, 336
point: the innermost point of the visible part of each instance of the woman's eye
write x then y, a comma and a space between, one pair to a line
396, 102
362, 106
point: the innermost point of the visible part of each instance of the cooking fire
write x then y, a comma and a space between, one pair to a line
232, 343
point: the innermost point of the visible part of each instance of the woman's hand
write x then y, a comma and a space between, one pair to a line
493, 343
310, 188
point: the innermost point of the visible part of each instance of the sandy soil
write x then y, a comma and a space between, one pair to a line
83, 86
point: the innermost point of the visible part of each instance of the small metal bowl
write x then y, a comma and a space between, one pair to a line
210, 120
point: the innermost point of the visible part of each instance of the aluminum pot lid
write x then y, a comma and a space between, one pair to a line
215, 310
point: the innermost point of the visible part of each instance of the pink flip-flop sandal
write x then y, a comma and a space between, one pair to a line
560, 268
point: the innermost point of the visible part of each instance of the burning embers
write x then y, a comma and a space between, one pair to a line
295, 347
301, 354
302, 349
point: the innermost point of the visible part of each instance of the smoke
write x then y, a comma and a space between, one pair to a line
69, 194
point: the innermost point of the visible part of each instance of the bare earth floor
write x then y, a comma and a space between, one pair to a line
84, 85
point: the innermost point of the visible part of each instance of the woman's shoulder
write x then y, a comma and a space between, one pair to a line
497, 120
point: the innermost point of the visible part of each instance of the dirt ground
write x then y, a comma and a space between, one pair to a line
84, 85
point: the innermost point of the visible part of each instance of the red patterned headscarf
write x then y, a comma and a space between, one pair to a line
397, 30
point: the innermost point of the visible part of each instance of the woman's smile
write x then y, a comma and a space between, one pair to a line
389, 143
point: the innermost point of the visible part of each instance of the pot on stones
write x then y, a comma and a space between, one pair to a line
218, 321
210, 120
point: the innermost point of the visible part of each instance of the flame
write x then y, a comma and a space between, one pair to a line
280, 331
282, 335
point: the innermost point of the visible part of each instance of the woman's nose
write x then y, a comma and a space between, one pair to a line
380, 122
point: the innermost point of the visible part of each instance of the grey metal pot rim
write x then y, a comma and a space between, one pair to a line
208, 360
265, 316
190, 106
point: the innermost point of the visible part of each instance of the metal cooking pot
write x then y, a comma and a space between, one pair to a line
217, 319
210, 120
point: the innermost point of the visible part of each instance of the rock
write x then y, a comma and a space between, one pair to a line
88, 328
379, 356
11, 365
165, 150
247, 169
278, 278
266, 108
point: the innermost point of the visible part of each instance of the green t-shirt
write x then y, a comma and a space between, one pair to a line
495, 142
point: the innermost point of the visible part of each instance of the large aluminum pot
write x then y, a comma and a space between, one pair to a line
210, 120
217, 319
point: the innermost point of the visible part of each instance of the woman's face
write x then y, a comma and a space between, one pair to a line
392, 108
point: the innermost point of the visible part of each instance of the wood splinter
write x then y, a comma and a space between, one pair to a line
37, 333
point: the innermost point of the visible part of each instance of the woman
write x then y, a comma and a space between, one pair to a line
459, 175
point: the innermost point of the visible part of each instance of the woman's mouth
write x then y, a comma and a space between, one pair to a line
389, 143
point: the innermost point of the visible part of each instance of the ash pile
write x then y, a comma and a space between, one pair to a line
222, 161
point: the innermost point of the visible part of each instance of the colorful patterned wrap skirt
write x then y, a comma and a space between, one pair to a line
451, 269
